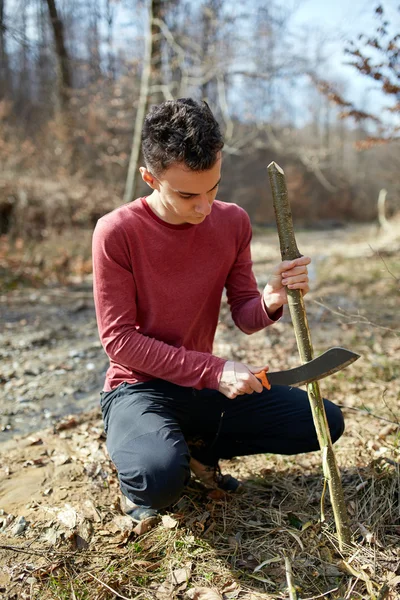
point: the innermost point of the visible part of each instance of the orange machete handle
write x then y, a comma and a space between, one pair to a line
262, 376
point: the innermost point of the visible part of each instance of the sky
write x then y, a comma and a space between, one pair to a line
334, 20
344, 20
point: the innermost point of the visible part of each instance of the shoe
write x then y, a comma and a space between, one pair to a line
212, 477
139, 514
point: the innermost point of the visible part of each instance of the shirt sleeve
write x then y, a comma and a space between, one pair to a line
244, 298
114, 295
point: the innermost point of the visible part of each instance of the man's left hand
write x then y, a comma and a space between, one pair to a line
292, 274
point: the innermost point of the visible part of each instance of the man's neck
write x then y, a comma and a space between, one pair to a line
159, 209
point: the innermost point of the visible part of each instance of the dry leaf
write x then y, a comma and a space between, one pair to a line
216, 495
92, 469
168, 522
274, 559
85, 530
36, 462
121, 523
51, 536
35, 441
67, 423
181, 575
68, 516
145, 525
165, 591
367, 535
91, 512
201, 593
48, 569
61, 459
231, 589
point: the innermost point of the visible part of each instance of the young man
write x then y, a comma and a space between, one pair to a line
160, 266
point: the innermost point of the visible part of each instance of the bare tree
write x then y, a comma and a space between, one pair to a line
64, 78
110, 15
132, 176
94, 42
5, 79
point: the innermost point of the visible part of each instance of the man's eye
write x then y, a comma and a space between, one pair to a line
186, 197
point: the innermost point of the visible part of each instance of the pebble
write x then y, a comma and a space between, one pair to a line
19, 526
9, 519
76, 354
22, 399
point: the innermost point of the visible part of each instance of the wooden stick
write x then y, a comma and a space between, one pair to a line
289, 579
289, 251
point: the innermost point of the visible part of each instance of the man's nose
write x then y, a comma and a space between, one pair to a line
203, 206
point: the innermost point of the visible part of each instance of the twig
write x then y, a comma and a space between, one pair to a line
366, 411
322, 503
108, 587
388, 407
322, 595
362, 320
386, 267
15, 549
289, 579
383, 592
73, 592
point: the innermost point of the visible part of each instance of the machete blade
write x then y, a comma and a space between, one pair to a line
331, 361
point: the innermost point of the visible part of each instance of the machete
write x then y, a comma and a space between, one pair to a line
329, 362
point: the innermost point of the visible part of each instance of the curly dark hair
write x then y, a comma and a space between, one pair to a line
181, 131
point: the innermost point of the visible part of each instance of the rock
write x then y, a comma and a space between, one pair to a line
6, 522
19, 527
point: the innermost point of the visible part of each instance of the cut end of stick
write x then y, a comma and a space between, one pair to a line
273, 166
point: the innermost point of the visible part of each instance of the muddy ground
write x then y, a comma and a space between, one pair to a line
55, 475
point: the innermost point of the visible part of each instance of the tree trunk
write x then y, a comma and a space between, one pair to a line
132, 177
5, 76
289, 251
156, 79
64, 78
110, 41
94, 44
151, 75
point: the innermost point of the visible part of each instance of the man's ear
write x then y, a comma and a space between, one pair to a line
149, 178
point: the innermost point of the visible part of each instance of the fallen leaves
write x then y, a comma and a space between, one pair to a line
203, 593
168, 522
176, 582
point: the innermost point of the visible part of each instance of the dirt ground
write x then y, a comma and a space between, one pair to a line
62, 534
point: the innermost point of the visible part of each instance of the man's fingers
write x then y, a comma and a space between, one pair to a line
294, 272
300, 286
290, 264
297, 279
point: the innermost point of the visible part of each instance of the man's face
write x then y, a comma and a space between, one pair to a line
185, 196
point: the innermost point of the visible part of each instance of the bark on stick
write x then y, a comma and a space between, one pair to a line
290, 251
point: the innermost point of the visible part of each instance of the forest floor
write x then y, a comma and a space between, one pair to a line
62, 534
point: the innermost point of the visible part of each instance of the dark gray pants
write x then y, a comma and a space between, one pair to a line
153, 427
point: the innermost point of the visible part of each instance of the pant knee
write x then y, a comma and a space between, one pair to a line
335, 420
156, 478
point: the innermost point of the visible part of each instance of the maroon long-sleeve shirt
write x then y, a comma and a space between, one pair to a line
158, 290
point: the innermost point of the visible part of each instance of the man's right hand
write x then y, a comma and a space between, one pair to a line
238, 379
